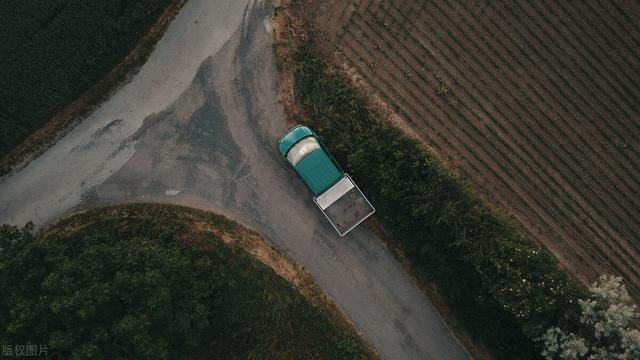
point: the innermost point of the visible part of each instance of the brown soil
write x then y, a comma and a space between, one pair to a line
537, 103
41, 139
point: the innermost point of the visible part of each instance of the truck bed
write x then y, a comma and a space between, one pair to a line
344, 205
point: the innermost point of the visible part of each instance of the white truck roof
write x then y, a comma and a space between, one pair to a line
302, 149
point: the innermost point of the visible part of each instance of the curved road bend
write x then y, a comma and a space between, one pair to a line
197, 126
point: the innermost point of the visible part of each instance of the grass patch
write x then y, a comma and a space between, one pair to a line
52, 51
156, 282
505, 289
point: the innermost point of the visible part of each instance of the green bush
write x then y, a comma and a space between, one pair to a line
504, 288
145, 285
51, 51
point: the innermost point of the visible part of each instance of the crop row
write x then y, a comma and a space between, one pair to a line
603, 184
462, 144
589, 95
527, 70
558, 92
627, 214
566, 158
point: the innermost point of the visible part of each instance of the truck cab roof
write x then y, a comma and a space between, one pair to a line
309, 159
318, 171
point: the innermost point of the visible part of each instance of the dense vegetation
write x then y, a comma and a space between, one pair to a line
141, 284
504, 288
605, 331
51, 51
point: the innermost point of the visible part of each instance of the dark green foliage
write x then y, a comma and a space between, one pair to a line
51, 51
146, 286
503, 287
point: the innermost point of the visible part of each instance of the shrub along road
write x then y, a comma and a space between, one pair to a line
200, 130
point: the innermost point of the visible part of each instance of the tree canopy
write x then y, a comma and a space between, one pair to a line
604, 332
152, 288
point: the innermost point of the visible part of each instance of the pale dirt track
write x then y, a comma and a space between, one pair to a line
197, 126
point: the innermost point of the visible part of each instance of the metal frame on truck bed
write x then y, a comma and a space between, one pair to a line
344, 205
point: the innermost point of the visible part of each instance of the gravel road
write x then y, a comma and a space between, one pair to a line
197, 126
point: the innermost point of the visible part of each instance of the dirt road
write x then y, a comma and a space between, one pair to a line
197, 126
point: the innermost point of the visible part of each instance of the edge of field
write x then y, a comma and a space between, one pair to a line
284, 46
232, 234
73, 113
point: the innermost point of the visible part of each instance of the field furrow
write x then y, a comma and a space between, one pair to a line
370, 40
548, 110
612, 48
551, 132
578, 110
590, 104
614, 94
537, 103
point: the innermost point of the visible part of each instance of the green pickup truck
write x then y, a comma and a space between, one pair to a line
337, 196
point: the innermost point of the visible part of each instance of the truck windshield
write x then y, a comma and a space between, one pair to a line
302, 149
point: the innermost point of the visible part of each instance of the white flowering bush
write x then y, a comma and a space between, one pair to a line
603, 332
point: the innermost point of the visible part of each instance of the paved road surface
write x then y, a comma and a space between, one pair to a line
197, 126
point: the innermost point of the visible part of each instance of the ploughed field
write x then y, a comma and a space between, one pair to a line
536, 102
